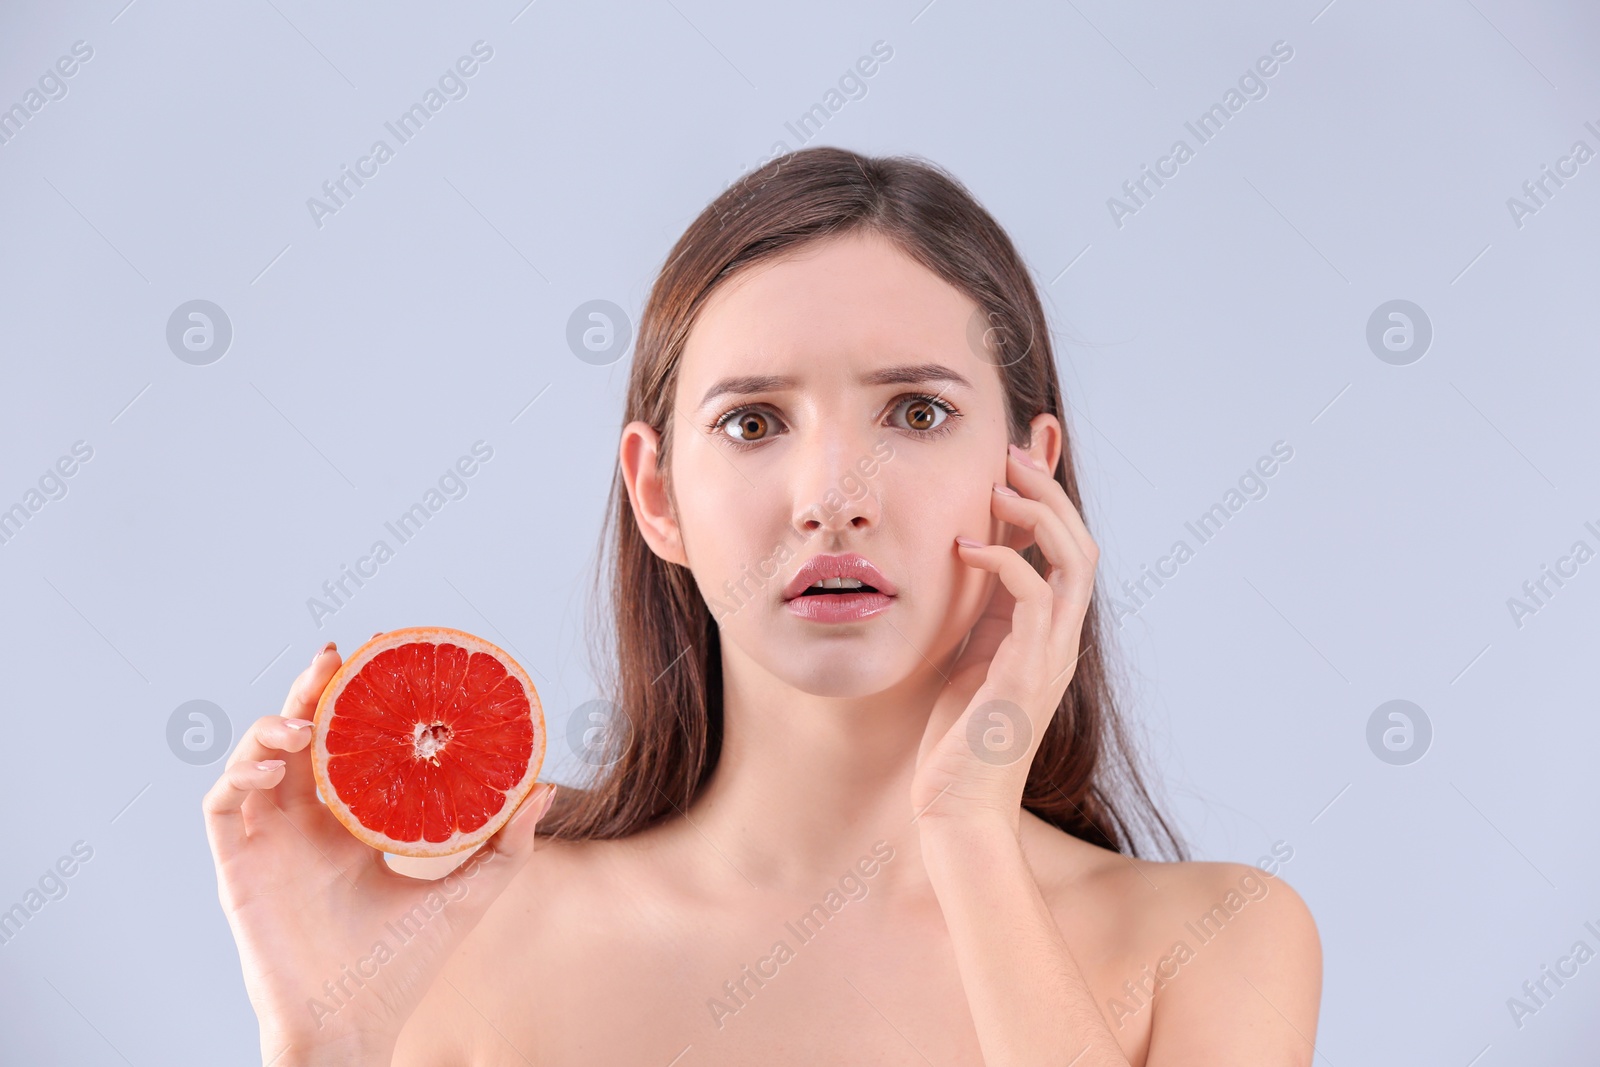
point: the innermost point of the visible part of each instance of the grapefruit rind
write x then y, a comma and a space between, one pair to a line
458, 841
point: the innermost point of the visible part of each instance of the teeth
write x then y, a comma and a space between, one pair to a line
838, 583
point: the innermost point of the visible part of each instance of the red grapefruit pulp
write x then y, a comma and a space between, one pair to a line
425, 741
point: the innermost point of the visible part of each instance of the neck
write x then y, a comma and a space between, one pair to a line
806, 786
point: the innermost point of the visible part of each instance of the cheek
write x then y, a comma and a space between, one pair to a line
927, 522
957, 504
953, 502
732, 530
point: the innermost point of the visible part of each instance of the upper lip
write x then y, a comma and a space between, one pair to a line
848, 565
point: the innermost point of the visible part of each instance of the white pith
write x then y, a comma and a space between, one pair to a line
427, 741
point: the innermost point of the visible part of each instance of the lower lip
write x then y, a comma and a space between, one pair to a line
839, 607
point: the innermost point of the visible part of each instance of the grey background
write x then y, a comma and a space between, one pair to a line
1228, 314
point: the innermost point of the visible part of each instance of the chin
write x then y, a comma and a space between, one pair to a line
833, 687
827, 668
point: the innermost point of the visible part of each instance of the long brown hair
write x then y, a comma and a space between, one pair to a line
663, 736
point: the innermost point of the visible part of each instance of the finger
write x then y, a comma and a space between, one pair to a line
1038, 518
1042, 485
274, 737
515, 840
1030, 618
1071, 573
492, 867
269, 737
223, 804
301, 701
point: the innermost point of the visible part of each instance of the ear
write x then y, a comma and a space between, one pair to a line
1045, 447
640, 453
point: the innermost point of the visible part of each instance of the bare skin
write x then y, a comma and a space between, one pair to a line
620, 945
617, 951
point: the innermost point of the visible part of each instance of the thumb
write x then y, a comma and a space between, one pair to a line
506, 852
486, 874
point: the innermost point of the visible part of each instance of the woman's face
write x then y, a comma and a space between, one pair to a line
830, 402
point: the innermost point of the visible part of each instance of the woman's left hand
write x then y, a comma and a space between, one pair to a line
1005, 686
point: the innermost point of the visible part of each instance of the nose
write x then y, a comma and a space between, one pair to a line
831, 492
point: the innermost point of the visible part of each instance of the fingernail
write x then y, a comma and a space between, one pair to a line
1023, 457
549, 801
269, 764
329, 647
967, 541
297, 724
1007, 490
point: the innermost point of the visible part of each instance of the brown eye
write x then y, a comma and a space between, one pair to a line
924, 414
749, 426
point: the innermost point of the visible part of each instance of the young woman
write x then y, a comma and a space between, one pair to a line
895, 821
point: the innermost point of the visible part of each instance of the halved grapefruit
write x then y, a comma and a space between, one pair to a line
425, 741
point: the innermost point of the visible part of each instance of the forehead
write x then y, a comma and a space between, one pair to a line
833, 310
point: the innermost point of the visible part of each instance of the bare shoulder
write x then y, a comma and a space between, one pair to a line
1221, 961
1244, 983
566, 886
540, 912
1141, 894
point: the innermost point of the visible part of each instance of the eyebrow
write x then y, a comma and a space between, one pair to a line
909, 374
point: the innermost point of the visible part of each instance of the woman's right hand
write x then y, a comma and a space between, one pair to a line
337, 948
